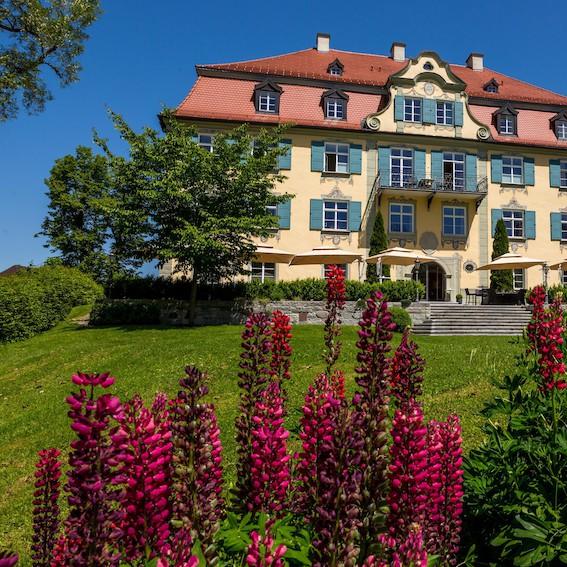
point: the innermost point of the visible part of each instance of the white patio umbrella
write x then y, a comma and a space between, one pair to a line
325, 255
271, 254
400, 257
562, 265
512, 261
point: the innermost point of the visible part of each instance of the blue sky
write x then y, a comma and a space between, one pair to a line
141, 57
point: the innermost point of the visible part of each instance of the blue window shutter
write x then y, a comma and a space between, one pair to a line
315, 214
437, 165
195, 138
555, 221
459, 114
354, 215
317, 155
355, 158
418, 164
554, 173
284, 161
529, 174
398, 107
495, 215
284, 213
470, 172
384, 165
429, 110
529, 230
496, 169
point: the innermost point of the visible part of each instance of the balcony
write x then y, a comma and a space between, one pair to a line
462, 187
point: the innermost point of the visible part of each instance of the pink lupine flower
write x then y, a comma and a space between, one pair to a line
443, 520
197, 463
261, 552
406, 372
336, 296
280, 362
407, 552
144, 454
8, 559
269, 460
178, 552
46, 506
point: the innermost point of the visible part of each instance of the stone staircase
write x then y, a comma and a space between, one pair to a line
452, 319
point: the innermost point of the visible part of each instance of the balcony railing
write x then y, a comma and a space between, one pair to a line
446, 183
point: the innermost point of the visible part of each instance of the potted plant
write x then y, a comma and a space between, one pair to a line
459, 297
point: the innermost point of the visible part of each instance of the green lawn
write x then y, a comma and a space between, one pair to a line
34, 381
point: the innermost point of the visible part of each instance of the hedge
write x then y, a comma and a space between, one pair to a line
304, 290
35, 299
400, 317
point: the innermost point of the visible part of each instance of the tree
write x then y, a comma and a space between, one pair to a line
79, 223
378, 243
39, 34
198, 209
500, 280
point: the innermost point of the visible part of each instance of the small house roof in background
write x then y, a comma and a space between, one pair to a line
12, 270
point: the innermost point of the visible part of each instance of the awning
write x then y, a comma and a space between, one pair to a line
325, 255
271, 254
400, 257
512, 261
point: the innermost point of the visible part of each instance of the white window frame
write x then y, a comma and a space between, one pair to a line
563, 174
510, 218
491, 88
445, 113
506, 124
455, 159
561, 129
413, 109
267, 102
267, 271
335, 70
340, 151
335, 208
519, 278
564, 227
453, 216
335, 108
402, 213
402, 161
564, 277
203, 144
514, 163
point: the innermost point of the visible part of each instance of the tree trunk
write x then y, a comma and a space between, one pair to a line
193, 299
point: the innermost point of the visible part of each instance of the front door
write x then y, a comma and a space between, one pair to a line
432, 276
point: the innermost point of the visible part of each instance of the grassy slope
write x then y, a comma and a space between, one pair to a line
34, 380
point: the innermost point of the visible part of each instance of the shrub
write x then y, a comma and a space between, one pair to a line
36, 299
400, 317
125, 312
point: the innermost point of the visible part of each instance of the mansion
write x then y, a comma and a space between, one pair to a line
442, 150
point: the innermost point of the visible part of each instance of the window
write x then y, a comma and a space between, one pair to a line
267, 97
205, 141
561, 129
267, 102
514, 221
491, 86
401, 167
506, 125
453, 171
334, 108
519, 278
512, 170
564, 227
563, 173
412, 109
335, 215
506, 120
445, 113
564, 277
263, 271
336, 158
327, 270
401, 218
454, 221
336, 68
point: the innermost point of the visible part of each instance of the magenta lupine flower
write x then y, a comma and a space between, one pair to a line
406, 372
144, 454
46, 506
261, 552
408, 552
280, 362
91, 484
8, 559
444, 514
370, 406
197, 463
409, 475
178, 552
270, 462
253, 378
336, 296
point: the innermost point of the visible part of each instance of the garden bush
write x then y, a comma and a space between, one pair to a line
401, 318
125, 312
36, 299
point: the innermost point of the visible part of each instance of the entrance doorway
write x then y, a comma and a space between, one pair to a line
433, 277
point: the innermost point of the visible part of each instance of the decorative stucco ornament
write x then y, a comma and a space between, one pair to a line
373, 122
429, 89
482, 133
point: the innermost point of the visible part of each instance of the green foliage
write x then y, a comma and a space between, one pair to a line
501, 280
125, 312
38, 34
35, 299
378, 243
554, 291
400, 317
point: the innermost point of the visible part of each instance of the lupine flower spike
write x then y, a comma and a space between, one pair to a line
336, 296
407, 373
178, 552
261, 552
8, 559
280, 362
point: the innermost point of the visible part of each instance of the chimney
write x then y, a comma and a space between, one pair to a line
475, 61
323, 42
398, 51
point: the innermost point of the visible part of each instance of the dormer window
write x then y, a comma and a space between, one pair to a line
267, 97
428, 66
335, 105
335, 68
506, 121
559, 122
491, 86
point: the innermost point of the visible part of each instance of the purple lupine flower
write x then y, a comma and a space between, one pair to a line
8, 559
406, 372
261, 552
280, 362
409, 551
89, 529
370, 408
197, 463
269, 459
144, 454
46, 506
253, 378
178, 552
336, 295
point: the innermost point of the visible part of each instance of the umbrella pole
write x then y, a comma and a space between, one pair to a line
545, 273
416, 267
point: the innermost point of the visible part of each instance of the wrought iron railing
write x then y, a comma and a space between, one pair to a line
444, 183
